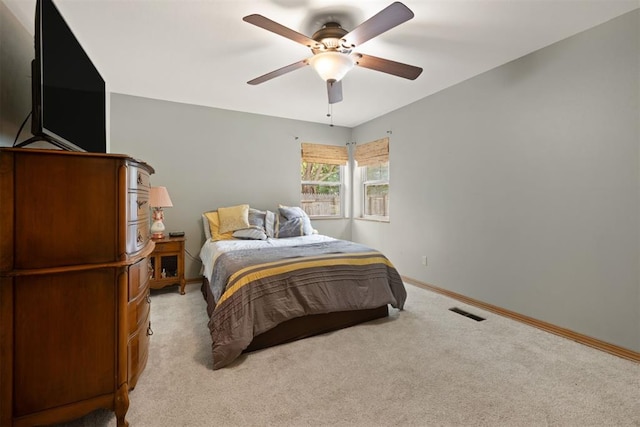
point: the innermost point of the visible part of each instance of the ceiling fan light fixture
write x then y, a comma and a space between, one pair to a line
332, 65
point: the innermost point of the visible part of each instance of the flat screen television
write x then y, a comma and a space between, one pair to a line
69, 94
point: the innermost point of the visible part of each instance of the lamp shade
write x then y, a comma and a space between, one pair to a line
332, 65
159, 198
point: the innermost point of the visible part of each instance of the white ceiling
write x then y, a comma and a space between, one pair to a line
202, 52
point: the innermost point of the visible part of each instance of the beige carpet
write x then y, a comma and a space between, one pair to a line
423, 366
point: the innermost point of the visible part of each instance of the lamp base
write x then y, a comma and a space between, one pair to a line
157, 228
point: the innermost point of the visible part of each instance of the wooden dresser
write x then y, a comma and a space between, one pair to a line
74, 283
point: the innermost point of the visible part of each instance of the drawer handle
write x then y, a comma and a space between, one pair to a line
139, 178
141, 203
139, 239
149, 298
149, 330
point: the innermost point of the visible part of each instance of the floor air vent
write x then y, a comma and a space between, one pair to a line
467, 314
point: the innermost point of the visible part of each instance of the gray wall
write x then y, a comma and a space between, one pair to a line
208, 158
521, 185
16, 53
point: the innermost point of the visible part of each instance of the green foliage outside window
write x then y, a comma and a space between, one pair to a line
313, 174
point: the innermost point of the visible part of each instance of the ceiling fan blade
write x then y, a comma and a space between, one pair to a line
389, 17
274, 27
334, 90
387, 66
279, 72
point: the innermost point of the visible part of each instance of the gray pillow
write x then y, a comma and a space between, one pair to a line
291, 218
290, 212
257, 217
292, 227
205, 226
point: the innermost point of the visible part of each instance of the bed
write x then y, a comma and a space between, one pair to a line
268, 291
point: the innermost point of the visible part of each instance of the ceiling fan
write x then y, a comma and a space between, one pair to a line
332, 48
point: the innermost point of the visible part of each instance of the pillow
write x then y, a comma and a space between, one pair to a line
251, 233
257, 217
289, 227
292, 212
270, 224
206, 227
214, 227
233, 218
288, 214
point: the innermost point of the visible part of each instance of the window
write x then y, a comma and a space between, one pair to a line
373, 164
321, 177
376, 191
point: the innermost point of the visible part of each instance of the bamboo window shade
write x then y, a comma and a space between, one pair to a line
327, 154
372, 153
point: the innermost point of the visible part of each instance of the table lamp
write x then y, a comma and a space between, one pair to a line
159, 199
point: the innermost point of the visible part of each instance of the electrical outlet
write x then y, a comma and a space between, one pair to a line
424, 260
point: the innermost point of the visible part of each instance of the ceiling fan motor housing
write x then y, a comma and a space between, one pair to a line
330, 37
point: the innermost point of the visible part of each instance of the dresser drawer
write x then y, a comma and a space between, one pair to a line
138, 312
138, 351
137, 235
138, 205
138, 178
139, 275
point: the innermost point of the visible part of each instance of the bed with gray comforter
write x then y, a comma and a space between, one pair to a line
254, 290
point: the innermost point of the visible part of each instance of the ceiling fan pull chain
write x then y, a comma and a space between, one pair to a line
330, 114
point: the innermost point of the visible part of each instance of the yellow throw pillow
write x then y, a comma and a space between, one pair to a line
214, 227
233, 218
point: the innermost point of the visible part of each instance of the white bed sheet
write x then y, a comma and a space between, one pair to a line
211, 250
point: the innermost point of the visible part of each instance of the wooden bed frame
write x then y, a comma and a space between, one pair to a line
306, 326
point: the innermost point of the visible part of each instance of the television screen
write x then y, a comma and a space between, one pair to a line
69, 94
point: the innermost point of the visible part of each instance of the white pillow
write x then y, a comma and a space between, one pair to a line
250, 233
270, 224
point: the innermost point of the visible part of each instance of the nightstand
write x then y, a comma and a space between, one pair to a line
167, 263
